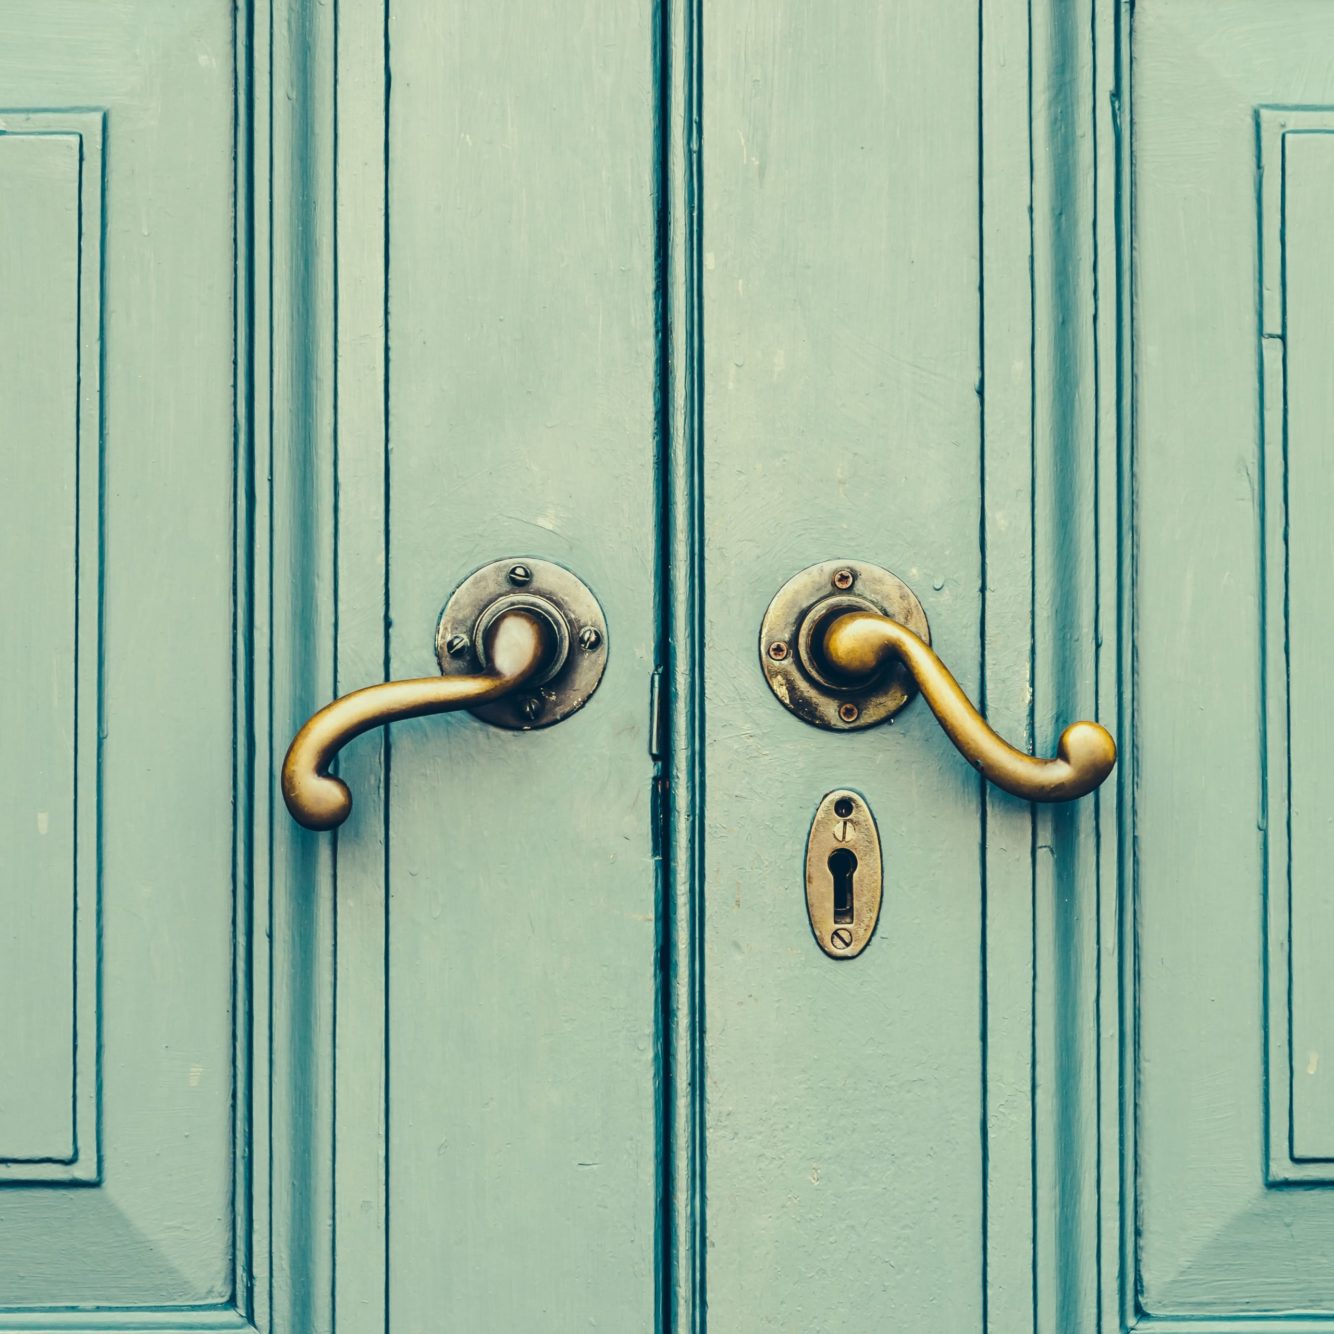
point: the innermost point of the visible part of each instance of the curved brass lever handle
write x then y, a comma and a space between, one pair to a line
519, 644
857, 645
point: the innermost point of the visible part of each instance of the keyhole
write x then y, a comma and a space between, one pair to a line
842, 866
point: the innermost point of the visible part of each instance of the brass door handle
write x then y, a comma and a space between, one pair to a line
846, 645
519, 646
857, 646
522, 643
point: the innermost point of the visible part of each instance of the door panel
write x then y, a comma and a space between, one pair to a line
522, 939
309, 311
1232, 373
840, 419
120, 907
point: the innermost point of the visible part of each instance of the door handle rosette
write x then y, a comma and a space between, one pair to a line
846, 645
521, 644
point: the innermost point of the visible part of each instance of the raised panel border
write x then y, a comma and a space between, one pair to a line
284, 1107
1273, 125
1107, 1278
83, 1166
1062, 1255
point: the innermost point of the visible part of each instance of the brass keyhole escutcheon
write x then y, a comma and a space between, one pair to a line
844, 874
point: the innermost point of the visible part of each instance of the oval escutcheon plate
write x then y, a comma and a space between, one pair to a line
844, 874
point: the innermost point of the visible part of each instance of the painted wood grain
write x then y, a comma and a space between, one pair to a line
840, 366
131, 500
522, 937
311, 309
48, 1099
1220, 1235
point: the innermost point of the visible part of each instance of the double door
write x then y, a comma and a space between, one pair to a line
311, 310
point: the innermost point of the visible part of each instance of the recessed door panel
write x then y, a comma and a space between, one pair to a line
122, 915
1233, 179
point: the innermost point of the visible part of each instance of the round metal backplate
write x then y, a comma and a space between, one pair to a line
790, 635
560, 598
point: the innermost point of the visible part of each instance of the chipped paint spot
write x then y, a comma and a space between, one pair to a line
709, 262
780, 362
196, 1074
1312, 1061
43, 822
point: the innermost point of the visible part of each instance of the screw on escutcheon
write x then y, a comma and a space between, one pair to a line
530, 708
843, 579
457, 645
778, 650
840, 938
849, 712
520, 575
589, 638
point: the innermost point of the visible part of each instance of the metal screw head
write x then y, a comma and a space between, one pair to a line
849, 712
778, 650
840, 938
520, 575
457, 645
531, 708
589, 638
843, 579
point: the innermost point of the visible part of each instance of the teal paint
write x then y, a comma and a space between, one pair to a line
1217, 1078
119, 729
522, 947
505, 1055
52, 168
840, 361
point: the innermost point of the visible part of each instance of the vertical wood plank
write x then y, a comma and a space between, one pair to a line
1007, 646
1065, 516
360, 1012
523, 932
840, 419
300, 604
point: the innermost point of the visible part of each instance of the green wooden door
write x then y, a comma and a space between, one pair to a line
308, 310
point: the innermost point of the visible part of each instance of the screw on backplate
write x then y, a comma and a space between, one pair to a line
840, 938
849, 712
457, 645
530, 708
589, 638
778, 650
520, 574
843, 578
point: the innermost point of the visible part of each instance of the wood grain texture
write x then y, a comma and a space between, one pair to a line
152, 1223
685, 299
1308, 484
50, 213
841, 361
1068, 448
1219, 1237
522, 941
1007, 679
